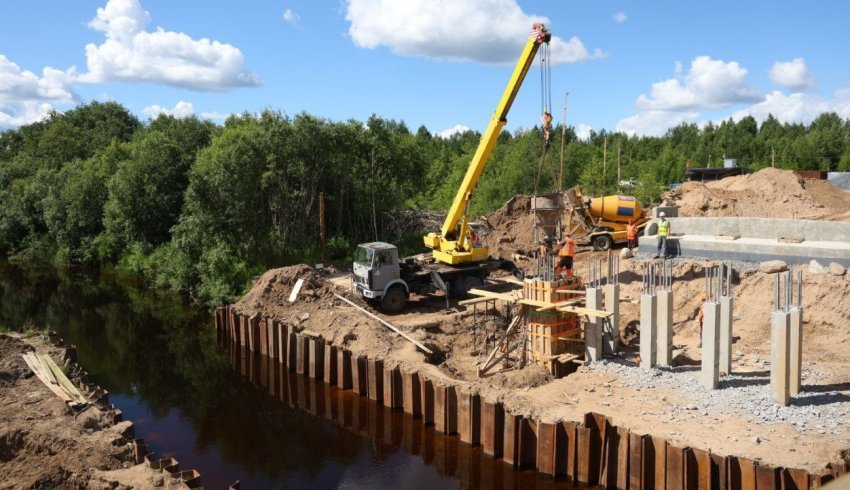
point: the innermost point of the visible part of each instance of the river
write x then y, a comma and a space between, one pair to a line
231, 416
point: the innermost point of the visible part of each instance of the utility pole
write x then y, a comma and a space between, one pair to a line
619, 177
773, 157
322, 225
563, 140
604, 159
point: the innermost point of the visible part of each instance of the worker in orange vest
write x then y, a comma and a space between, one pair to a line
631, 234
565, 255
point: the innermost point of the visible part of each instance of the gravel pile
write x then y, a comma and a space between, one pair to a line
818, 409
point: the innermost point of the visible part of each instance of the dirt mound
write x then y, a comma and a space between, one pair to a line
12, 365
768, 193
511, 228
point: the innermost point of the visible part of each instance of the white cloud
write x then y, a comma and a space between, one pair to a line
620, 17
180, 110
583, 132
709, 84
26, 97
653, 122
797, 107
793, 74
132, 54
290, 16
215, 116
456, 129
489, 31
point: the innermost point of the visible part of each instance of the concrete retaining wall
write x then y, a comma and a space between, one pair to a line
826, 231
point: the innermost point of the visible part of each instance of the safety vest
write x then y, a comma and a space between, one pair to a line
569, 248
664, 227
631, 232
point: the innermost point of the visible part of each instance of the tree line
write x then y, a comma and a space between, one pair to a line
203, 208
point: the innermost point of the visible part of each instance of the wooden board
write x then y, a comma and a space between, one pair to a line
493, 295
297, 289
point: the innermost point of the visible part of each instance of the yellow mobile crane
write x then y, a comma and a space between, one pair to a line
453, 244
460, 264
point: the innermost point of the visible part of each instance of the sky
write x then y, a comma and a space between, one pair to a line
637, 67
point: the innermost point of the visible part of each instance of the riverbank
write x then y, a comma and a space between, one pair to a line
44, 444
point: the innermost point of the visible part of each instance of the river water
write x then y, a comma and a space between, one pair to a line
228, 414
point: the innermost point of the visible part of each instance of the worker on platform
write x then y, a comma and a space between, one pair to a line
631, 234
701, 315
663, 233
566, 252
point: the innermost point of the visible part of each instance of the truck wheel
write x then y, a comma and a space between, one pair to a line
467, 283
394, 300
602, 243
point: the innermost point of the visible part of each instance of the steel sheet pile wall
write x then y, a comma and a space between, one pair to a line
592, 451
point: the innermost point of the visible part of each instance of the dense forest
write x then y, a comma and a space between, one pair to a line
203, 208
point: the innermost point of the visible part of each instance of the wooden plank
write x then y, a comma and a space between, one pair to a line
386, 324
586, 311
35, 366
493, 295
62, 380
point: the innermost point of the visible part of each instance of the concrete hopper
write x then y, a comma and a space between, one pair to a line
547, 209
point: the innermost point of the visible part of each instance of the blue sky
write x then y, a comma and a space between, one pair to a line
639, 67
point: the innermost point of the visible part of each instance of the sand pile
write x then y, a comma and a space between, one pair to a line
511, 228
768, 193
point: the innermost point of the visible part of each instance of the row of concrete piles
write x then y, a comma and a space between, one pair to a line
656, 332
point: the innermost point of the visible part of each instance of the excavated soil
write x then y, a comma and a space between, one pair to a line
768, 193
44, 445
532, 391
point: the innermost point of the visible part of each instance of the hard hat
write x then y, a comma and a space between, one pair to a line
661, 214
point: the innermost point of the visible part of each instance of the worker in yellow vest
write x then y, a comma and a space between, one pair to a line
565, 255
663, 233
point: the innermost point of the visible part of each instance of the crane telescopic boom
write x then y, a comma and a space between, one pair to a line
453, 244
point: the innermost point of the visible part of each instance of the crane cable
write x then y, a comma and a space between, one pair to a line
546, 115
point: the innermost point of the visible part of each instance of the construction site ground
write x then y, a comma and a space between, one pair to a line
44, 445
739, 418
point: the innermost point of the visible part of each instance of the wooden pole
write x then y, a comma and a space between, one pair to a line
619, 176
322, 225
773, 157
386, 324
604, 161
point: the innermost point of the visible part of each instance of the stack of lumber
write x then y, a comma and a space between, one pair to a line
52, 376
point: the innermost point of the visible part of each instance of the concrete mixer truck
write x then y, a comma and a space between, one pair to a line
602, 221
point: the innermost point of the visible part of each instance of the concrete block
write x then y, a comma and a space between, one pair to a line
725, 338
648, 331
795, 340
664, 334
710, 374
611, 336
780, 335
593, 327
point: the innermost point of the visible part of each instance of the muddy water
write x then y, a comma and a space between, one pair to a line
230, 415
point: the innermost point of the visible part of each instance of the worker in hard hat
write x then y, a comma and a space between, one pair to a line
566, 252
663, 233
631, 234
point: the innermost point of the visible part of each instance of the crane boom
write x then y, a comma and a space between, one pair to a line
452, 245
